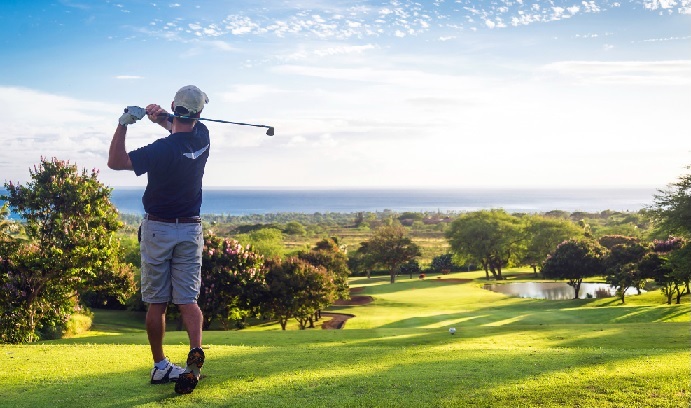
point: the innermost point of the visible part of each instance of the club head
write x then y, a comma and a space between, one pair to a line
270, 131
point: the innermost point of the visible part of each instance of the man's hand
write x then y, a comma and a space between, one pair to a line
132, 114
158, 115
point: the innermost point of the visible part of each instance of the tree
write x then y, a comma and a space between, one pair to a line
671, 208
575, 260
11, 234
411, 268
294, 228
624, 277
332, 256
359, 262
9, 231
657, 267
390, 247
544, 234
610, 241
70, 226
680, 262
442, 263
233, 282
296, 289
621, 262
671, 269
672, 211
493, 238
266, 241
667, 245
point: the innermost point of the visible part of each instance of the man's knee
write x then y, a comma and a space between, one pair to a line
189, 308
158, 308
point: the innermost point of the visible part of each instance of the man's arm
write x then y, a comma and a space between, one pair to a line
118, 159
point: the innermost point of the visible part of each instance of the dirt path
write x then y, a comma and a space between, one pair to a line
338, 320
452, 280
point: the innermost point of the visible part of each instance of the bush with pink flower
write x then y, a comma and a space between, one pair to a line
233, 282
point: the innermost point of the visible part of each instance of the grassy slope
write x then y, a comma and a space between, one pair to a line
396, 352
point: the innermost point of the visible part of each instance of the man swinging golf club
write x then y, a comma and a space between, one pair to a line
170, 235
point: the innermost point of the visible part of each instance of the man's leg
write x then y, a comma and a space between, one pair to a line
156, 329
186, 278
192, 318
186, 268
157, 241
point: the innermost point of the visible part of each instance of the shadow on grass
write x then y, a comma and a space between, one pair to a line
538, 312
363, 368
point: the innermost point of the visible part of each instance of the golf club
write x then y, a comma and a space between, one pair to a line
269, 131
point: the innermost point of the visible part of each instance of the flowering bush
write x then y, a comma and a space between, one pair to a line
668, 245
233, 281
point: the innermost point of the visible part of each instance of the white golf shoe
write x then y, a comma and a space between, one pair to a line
170, 373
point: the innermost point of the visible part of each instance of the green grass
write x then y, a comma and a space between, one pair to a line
396, 352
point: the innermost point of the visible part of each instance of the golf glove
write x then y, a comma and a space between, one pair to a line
132, 114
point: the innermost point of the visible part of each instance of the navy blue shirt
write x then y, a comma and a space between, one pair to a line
175, 167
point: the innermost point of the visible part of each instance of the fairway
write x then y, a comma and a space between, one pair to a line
395, 352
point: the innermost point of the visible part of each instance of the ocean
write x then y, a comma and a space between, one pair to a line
238, 201
244, 201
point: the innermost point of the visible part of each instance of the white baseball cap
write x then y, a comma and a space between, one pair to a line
191, 98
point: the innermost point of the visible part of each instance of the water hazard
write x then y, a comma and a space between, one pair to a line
555, 290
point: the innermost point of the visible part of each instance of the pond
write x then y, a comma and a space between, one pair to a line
554, 290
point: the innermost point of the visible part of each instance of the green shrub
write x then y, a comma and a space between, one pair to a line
79, 323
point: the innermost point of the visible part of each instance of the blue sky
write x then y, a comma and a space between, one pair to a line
461, 93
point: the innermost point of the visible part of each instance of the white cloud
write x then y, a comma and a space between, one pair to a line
64, 127
243, 93
55, 126
673, 38
403, 19
222, 46
660, 4
409, 78
297, 141
631, 72
590, 6
129, 77
343, 50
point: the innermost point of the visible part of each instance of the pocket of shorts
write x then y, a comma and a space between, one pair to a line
157, 243
156, 232
196, 232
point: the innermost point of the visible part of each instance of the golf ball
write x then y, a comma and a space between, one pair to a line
452, 330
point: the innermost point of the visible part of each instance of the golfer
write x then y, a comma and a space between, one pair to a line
170, 235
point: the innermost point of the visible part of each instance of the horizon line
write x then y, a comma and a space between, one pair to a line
600, 187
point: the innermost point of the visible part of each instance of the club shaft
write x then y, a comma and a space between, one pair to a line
234, 123
215, 120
